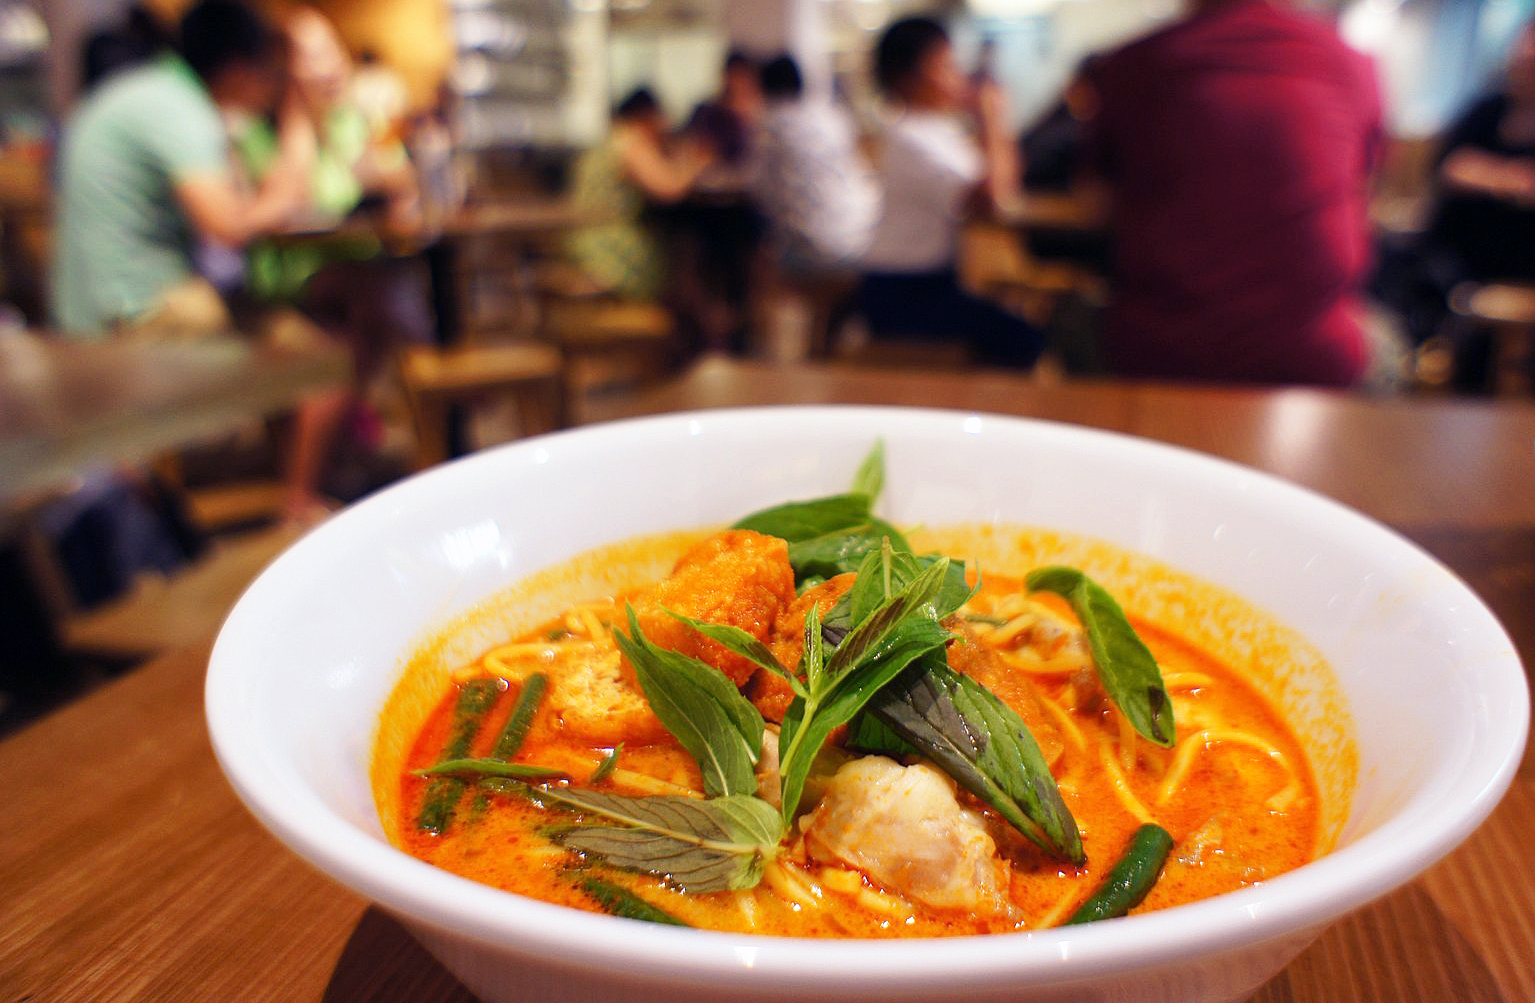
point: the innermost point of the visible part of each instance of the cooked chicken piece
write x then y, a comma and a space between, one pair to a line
769, 780
903, 828
738, 578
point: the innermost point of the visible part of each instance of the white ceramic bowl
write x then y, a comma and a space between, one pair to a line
310, 653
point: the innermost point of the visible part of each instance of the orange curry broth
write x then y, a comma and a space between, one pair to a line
495, 840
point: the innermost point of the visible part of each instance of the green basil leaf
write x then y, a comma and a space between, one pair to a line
868, 657
873, 631
1125, 665
889, 573
700, 707
743, 644
979, 741
813, 661
805, 520
701, 845
491, 768
831, 554
869, 479
868, 733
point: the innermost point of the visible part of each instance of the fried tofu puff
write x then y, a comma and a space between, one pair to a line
737, 577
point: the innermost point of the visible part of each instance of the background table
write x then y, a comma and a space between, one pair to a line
132, 873
66, 404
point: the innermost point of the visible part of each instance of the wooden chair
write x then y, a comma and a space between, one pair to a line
798, 316
530, 374
1507, 312
608, 341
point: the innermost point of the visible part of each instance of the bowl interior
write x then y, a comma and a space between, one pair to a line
1425, 677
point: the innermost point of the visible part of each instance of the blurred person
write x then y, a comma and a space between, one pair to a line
1238, 145
715, 234
620, 252
378, 91
144, 173
344, 282
933, 174
1482, 226
138, 39
727, 121
810, 180
1484, 216
1053, 148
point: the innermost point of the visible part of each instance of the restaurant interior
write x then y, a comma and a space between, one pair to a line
261, 259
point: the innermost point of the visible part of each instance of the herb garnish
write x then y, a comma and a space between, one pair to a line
700, 707
1125, 665
979, 741
878, 647
832, 535
700, 845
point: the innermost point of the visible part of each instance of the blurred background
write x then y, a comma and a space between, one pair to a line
260, 259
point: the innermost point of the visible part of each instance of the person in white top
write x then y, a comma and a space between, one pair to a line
818, 194
934, 174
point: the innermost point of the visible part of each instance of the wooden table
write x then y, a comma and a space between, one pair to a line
132, 873
66, 404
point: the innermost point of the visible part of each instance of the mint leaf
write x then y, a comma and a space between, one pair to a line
1125, 665
700, 707
700, 845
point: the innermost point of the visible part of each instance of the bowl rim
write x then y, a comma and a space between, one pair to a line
1303, 900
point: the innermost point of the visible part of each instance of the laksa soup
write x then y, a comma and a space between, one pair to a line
814, 723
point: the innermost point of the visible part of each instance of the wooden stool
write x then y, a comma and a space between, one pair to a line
533, 374
1507, 310
610, 341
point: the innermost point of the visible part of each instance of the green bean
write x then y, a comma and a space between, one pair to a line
475, 700
474, 769
618, 901
1130, 879
606, 766
521, 718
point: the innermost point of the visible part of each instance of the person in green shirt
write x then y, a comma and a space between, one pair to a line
351, 163
144, 175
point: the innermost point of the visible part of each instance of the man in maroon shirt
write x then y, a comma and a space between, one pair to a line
1238, 146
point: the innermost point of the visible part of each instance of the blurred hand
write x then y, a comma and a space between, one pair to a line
990, 105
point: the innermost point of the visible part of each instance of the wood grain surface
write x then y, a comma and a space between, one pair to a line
131, 873
67, 404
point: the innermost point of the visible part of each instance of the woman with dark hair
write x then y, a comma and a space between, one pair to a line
615, 181
934, 173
